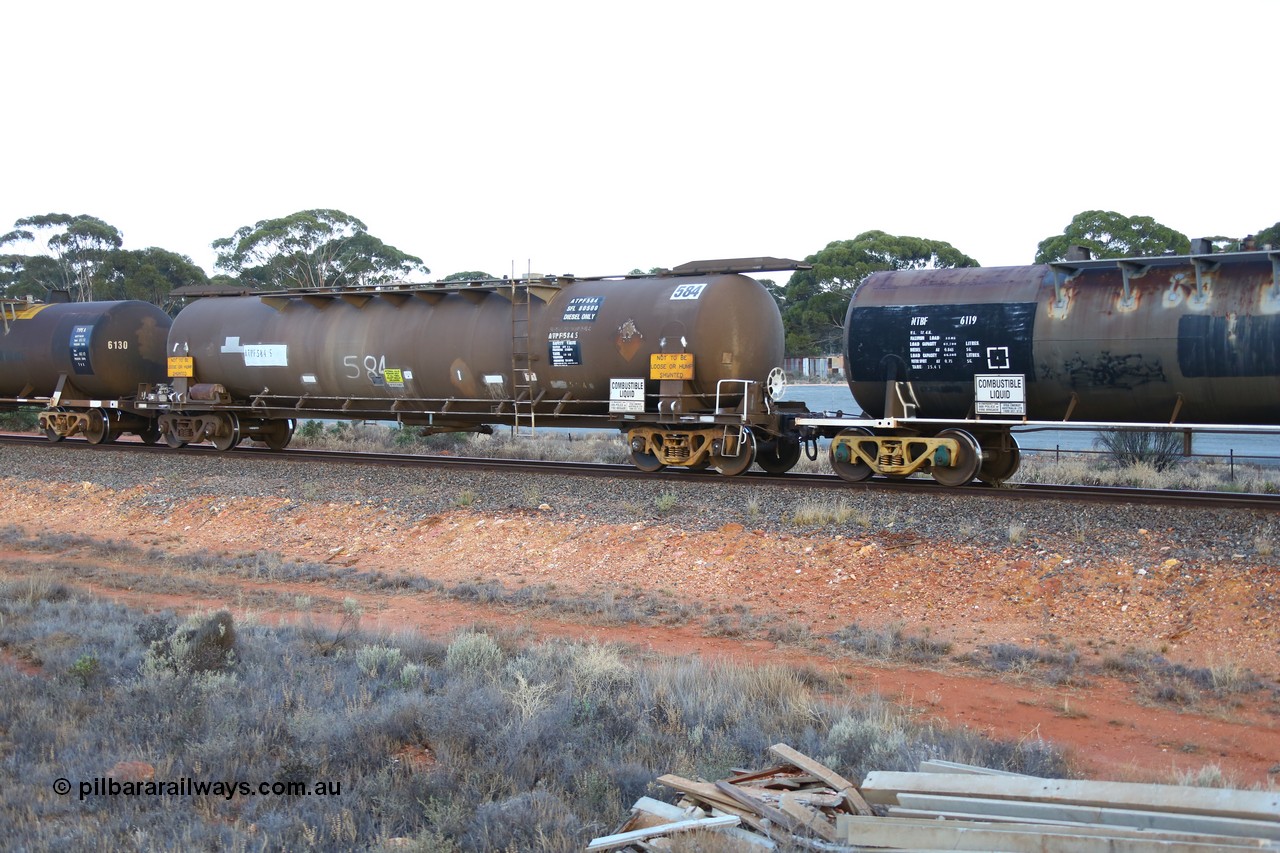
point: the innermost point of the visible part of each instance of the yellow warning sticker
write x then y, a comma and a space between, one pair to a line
182, 365
671, 365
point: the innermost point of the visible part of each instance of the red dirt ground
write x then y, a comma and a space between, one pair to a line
954, 590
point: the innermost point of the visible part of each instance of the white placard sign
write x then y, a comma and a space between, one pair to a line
626, 395
266, 355
1000, 394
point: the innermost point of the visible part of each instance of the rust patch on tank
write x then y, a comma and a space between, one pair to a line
629, 340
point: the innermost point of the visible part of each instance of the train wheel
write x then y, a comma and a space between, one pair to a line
150, 434
279, 433
1002, 465
228, 435
172, 439
732, 466
647, 462
778, 457
98, 430
966, 462
845, 464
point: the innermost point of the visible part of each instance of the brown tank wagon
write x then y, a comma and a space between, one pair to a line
80, 360
680, 361
946, 362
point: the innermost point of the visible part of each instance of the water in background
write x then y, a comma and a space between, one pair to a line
1249, 448
824, 398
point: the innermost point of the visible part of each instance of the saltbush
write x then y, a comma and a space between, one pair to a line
537, 747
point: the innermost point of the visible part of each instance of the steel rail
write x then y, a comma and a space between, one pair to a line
1015, 491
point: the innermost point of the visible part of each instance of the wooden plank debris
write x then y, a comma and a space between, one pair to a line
704, 791
659, 809
1058, 813
649, 812
842, 786
779, 771
819, 798
775, 816
1088, 828
808, 819
802, 804
748, 839
613, 842
883, 787
781, 776
1002, 838
1068, 828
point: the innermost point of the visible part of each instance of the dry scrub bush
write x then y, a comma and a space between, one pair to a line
1179, 684
379, 661
557, 445
890, 642
203, 644
537, 748
34, 589
474, 653
815, 513
1153, 449
548, 444
1202, 475
1207, 776
599, 670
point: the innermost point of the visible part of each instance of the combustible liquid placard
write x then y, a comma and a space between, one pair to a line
1000, 394
626, 395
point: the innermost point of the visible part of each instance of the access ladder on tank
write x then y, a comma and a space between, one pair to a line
523, 421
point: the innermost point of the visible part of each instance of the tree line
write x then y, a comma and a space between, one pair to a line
814, 301
84, 256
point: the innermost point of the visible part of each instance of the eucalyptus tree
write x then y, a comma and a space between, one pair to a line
29, 275
1108, 234
1268, 237
468, 275
312, 249
78, 248
816, 299
149, 274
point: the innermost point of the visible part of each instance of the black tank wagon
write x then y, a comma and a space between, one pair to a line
83, 361
946, 362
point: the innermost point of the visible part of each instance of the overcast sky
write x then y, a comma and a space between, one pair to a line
597, 137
